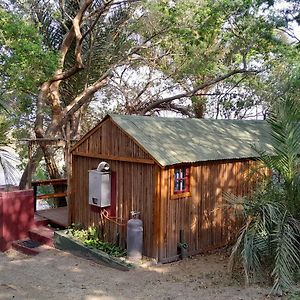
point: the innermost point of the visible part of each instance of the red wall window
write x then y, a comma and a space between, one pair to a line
181, 180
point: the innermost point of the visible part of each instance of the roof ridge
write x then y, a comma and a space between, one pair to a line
114, 115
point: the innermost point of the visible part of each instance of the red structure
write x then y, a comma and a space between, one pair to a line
16, 216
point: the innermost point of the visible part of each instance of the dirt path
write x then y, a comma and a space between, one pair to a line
58, 275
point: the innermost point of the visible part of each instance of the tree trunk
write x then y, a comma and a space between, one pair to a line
36, 158
53, 172
51, 165
199, 109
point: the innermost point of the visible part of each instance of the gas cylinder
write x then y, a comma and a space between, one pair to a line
134, 236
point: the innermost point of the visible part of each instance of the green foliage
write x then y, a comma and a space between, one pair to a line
204, 38
269, 241
285, 161
7, 159
90, 238
285, 240
24, 61
198, 41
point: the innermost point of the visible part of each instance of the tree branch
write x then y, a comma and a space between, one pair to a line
99, 12
289, 33
195, 90
49, 91
77, 103
66, 44
186, 111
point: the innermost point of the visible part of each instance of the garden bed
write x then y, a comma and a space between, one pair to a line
64, 241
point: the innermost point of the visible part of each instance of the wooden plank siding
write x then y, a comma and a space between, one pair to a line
134, 191
135, 183
142, 185
110, 140
206, 222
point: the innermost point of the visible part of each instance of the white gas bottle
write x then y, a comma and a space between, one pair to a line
134, 236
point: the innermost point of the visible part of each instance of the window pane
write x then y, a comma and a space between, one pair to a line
176, 185
181, 180
183, 185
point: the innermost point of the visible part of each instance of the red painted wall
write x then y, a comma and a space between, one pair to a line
16, 216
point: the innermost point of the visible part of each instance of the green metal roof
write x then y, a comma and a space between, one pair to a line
174, 140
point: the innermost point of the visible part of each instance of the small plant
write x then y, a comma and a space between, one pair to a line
90, 238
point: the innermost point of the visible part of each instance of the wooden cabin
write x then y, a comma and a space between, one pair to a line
174, 172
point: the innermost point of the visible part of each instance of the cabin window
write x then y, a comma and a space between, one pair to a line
181, 182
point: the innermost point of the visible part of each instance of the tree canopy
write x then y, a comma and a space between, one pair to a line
25, 62
216, 58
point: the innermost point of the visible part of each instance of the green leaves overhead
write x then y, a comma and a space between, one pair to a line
206, 37
24, 62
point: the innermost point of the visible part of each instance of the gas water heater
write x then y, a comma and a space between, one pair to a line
100, 185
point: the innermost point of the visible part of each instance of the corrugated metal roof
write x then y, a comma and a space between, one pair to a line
174, 140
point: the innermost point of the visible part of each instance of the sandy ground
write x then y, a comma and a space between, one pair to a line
54, 274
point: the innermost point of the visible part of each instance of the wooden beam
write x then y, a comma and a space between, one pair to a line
54, 195
112, 157
59, 181
52, 142
156, 218
42, 140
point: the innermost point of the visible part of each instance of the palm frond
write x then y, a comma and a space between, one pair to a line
102, 48
268, 242
284, 161
285, 240
285, 125
7, 161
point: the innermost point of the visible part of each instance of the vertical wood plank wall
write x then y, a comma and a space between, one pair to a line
144, 186
207, 224
135, 184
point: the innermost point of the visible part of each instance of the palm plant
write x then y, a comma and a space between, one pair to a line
6, 164
285, 162
269, 241
7, 159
